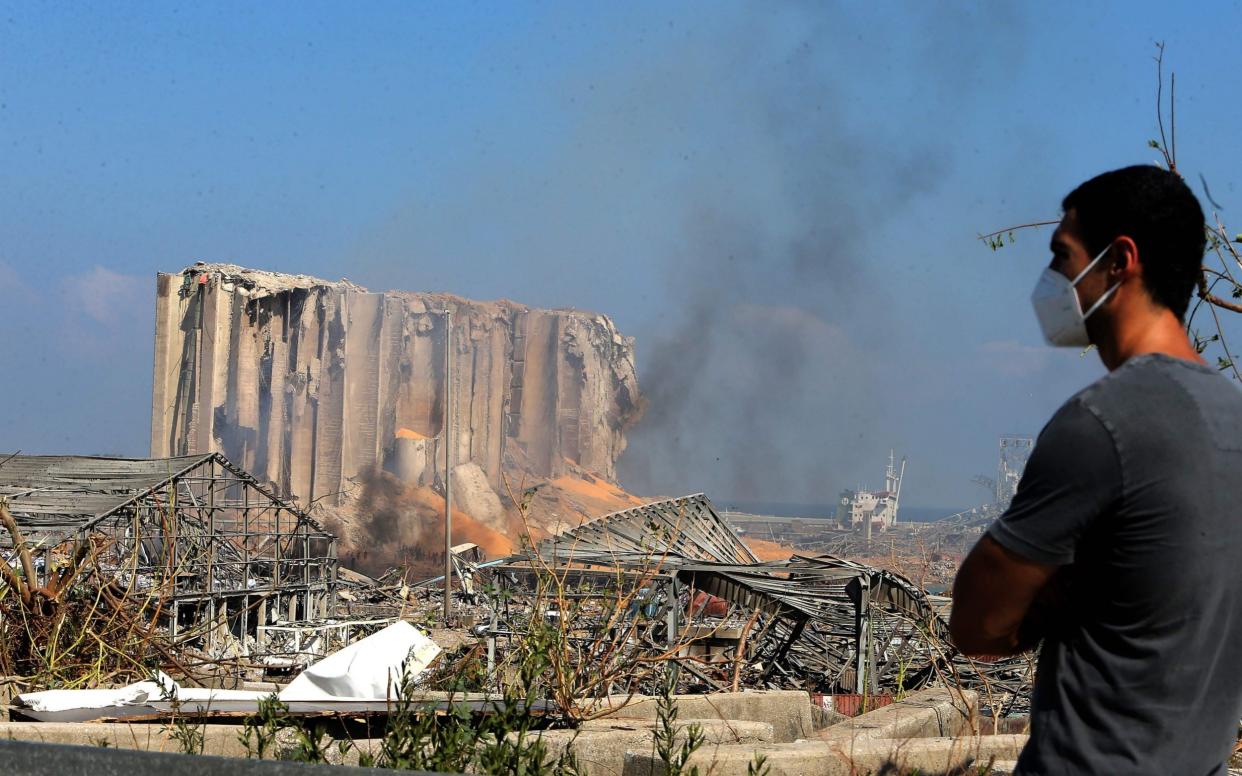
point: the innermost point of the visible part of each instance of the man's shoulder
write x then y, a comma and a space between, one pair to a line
1147, 377
1158, 401
1077, 427
1112, 397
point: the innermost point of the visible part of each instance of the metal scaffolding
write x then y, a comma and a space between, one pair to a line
220, 552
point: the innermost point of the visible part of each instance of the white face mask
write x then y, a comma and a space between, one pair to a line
1058, 309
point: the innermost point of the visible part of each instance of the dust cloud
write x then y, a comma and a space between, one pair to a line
734, 189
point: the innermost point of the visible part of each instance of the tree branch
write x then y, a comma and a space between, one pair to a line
1031, 225
1169, 152
1212, 299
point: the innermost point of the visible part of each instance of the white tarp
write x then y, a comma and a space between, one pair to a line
161, 690
362, 672
367, 669
59, 700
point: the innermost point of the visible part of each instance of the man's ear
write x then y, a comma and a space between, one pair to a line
1124, 262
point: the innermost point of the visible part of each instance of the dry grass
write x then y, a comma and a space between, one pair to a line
82, 627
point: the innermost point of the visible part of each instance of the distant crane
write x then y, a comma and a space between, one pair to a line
1015, 451
892, 481
985, 482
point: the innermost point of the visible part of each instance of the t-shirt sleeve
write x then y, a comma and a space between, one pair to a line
1073, 476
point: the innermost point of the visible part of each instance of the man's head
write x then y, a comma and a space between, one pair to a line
1153, 223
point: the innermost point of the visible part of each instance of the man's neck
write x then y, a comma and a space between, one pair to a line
1157, 332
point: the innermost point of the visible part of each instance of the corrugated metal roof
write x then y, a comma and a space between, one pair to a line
53, 495
687, 527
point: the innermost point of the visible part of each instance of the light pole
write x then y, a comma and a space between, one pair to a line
448, 465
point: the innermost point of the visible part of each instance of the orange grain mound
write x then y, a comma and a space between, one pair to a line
494, 543
767, 550
465, 527
406, 433
600, 491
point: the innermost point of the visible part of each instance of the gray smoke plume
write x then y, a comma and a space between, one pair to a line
736, 188
775, 376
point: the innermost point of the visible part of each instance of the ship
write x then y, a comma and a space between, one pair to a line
869, 511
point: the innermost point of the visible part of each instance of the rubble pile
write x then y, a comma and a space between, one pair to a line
673, 578
234, 580
191, 555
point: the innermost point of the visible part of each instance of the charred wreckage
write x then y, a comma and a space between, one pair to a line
235, 571
213, 557
728, 620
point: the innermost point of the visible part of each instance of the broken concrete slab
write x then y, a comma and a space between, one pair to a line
147, 737
600, 746
788, 711
935, 755
934, 712
26, 758
476, 497
894, 735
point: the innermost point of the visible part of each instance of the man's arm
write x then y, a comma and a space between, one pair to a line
998, 601
1009, 584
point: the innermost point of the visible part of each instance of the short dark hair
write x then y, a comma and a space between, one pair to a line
1156, 209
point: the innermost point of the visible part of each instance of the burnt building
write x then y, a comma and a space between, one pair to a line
208, 548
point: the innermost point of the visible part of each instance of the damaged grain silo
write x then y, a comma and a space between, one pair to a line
309, 383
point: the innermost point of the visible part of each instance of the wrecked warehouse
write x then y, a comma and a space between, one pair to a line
671, 584
210, 553
594, 623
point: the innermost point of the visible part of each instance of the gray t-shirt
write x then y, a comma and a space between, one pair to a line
1135, 487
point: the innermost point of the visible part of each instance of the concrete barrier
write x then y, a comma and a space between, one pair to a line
217, 739
600, 746
26, 758
929, 732
933, 755
935, 712
788, 711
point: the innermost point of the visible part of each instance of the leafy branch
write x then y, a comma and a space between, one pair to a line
1220, 244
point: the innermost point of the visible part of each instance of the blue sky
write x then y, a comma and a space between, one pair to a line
779, 200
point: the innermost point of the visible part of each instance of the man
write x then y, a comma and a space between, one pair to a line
1122, 550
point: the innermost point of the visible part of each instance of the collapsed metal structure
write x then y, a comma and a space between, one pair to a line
230, 563
220, 554
817, 623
